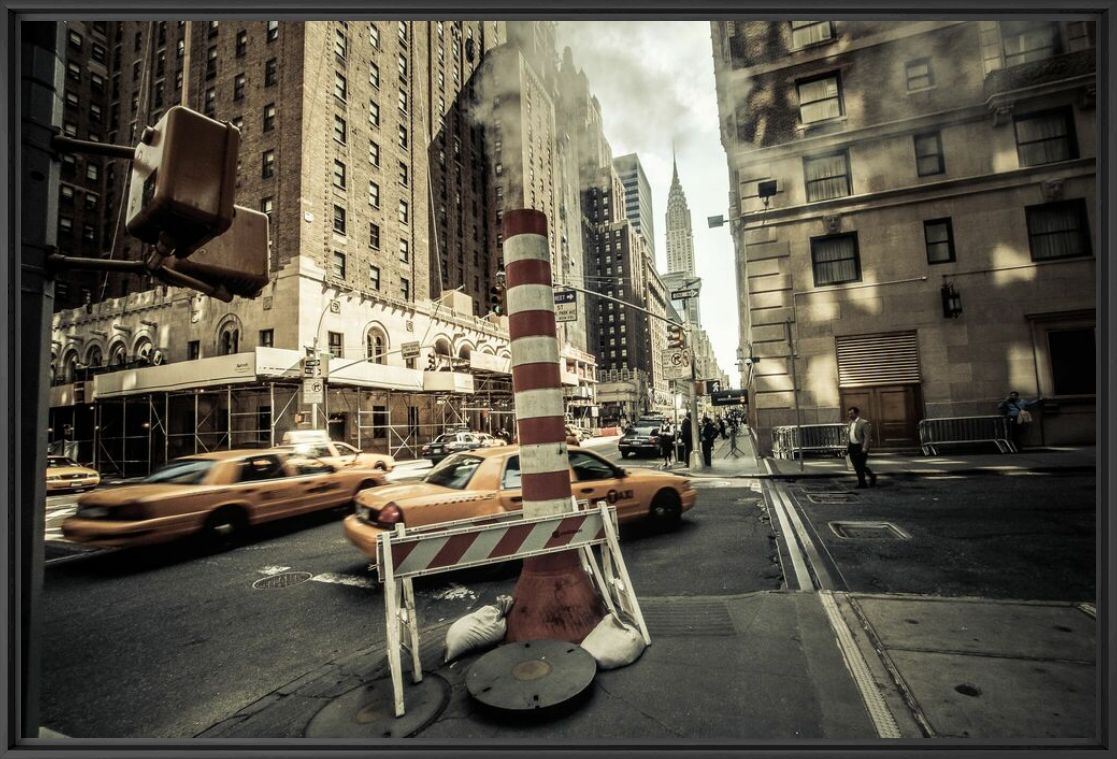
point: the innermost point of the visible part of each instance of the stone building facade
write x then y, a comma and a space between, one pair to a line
913, 162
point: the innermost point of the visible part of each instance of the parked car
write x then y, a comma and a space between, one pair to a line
318, 445
641, 438
449, 443
572, 436
217, 495
66, 474
487, 481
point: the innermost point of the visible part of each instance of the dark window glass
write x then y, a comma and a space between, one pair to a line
1027, 41
939, 235
827, 176
588, 467
1073, 362
455, 472
267, 338
805, 33
820, 99
835, 259
339, 220
928, 154
1058, 230
919, 74
335, 341
1045, 137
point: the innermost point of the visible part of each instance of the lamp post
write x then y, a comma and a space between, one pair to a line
312, 354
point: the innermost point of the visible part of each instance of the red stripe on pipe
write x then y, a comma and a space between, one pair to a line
543, 376
544, 429
455, 548
400, 552
528, 272
545, 486
566, 531
511, 541
532, 324
520, 221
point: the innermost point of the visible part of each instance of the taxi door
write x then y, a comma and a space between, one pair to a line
510, 495
594, 479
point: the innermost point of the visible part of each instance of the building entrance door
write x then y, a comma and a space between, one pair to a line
893, 410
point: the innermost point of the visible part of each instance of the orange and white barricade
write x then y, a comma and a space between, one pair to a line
405, 554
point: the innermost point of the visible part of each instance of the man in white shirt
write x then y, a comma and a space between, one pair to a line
859, 447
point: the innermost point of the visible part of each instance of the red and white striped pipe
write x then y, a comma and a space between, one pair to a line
536, 381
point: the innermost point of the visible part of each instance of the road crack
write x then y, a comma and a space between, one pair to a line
639, 710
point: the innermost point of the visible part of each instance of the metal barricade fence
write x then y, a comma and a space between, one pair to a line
817, 438
965, 429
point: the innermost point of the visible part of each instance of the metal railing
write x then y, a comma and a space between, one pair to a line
957, 430
817, 438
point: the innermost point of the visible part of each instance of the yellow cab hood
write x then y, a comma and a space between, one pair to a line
411, 494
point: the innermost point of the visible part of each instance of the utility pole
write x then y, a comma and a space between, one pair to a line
795, 391
695, 439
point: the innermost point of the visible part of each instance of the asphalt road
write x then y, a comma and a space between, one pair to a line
168, 641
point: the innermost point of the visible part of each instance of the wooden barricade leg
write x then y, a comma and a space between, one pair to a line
391, 612
590, 562
613, 547
413, 630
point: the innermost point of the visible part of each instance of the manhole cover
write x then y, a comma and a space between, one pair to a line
868, 531
822, 497
281, 580
530, 675
369, 711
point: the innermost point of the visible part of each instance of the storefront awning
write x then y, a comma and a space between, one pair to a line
378, 376
448, 382
203, 372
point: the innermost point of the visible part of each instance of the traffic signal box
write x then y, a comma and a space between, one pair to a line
676, 337
183, 181
498, 299
236, 259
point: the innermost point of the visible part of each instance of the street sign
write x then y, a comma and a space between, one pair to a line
713, 386
312, 368
729, 398
314, 391
409, 350
566, 306
676, 364
684, 294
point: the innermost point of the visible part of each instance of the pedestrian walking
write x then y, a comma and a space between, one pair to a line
1016, 410
709, 435
721, 428
666, 444
688, 439
859, 434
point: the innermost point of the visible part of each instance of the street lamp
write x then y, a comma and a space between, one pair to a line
333, 304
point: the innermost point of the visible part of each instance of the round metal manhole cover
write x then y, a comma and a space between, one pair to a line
284, 580
530, 675
369, 711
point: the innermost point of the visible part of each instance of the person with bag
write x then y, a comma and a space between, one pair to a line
666, 444
1016, 410
858, 448
709, 433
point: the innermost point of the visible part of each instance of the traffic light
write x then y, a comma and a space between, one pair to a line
183, 181
498, 295
676, 337
237, 260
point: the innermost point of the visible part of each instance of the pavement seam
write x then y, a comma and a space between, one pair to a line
879, 713
801, 574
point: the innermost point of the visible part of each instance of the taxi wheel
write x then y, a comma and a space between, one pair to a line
666, 510
224, 528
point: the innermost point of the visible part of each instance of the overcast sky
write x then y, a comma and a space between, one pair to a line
655, 83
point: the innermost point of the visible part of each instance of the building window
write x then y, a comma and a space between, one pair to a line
193, 350
341, 46
403, 136
1045, 137
95, 113
238, 87
341, 88
827, 176
374, 113
214, 27
404, 212
267, 205
805, 33
335, 340
373, 153
928, 154
939, 235
919, 74
375, 346
403, 173
91, 199
211, 63
405, 288
92, 172
339, 265
210, 102
339, 175
820, 99
1058, 230
374, 194
273, 31
180, 49
339, 129
339, 220
374, 35
374, 235
73, 72
374, 75
97, 83
268, 164
404, 251
374, 277
1073, 361
267, 338
1026, 41
75, 40
401, 64
66, 192
835, 259
97, 53
65, 225
403, 100
271, 72
242, 43
228, 341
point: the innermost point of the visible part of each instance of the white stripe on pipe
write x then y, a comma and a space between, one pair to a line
538, 349
542, 458
526, 247
530, 297
536, 404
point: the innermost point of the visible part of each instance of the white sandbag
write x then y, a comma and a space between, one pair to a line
613, 643
478, 629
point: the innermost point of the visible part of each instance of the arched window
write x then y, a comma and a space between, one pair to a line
142, 351
69, 366
228, 340
375, 346
93, 358
118, 354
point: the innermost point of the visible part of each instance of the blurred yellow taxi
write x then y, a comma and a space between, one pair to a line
66, 474
487, 481
215, 495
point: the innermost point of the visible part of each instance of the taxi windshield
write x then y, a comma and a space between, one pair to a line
181, 472
455, 472
54, 461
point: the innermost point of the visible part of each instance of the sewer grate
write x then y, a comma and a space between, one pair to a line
831, 497
680, 617
284, 580
868, 531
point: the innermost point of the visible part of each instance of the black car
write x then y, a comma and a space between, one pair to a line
641, 438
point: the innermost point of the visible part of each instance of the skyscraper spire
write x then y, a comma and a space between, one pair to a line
674, 165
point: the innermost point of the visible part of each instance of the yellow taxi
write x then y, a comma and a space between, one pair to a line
66, 474
318, 445
487, 481
215, 495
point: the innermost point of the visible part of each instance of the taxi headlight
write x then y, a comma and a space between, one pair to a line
389, 516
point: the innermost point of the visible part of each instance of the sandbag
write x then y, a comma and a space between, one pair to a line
483, 627
614, 644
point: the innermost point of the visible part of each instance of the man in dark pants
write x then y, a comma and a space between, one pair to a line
688, 439
859, 447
